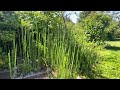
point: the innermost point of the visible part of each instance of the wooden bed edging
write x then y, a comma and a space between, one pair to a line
5, 74
36, 75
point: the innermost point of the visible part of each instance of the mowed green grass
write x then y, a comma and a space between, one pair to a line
109, 66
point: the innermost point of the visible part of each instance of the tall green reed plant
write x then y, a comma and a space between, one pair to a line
53, 46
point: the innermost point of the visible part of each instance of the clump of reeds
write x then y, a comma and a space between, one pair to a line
57, 49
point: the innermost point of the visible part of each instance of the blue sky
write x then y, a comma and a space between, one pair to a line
73, 17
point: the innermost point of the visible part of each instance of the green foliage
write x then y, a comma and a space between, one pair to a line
85, 55
9, 20
45, 40
24, 69
8, 24
3, 60
112, 29
95, 25
83, 15
117, 33
6, 36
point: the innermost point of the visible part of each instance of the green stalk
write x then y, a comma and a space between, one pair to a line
15, 67
10, 67
24, 47
45, 47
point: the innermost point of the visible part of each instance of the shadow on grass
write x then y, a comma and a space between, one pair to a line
116, 39
99, 76
112, 48
95, 75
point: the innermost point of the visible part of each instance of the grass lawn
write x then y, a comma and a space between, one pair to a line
109, 66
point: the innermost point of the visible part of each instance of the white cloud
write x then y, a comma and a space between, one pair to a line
73, 16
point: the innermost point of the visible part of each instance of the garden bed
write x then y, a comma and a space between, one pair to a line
38, 75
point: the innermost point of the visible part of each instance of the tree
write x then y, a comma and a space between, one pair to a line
95, 25
83, 15
111, 30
